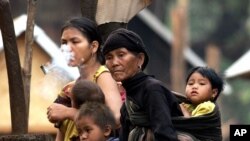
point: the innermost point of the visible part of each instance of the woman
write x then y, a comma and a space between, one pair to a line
149, 106
81, 43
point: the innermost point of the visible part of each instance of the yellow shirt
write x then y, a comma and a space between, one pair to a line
67, 88
68, 127
201, 109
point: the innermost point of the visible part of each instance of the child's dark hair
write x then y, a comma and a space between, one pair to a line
99, 112
89, 30
85, 90
215, 80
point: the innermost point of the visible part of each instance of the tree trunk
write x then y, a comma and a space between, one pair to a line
19, 119
28, 51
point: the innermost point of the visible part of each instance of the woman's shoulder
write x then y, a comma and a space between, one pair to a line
152, 83
99, 71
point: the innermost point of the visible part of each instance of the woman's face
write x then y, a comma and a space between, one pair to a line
78, 46
199, 89
123, 64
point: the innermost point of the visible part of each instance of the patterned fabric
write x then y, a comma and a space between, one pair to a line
140, 119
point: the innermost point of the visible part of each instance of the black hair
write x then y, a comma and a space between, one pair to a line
99, 112
89, 30
85, 90
209, 73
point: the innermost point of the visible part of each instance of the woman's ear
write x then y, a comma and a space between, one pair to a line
107, 130
141, 58
94, 46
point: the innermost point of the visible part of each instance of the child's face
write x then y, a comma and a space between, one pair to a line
89, 131
199, 89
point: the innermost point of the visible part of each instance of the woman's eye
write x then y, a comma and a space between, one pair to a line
108, 57
121, 55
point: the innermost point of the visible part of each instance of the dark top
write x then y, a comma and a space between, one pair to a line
156, 100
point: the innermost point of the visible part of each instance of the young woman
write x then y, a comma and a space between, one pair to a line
81, 44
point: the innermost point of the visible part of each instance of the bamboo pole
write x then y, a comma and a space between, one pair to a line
19, 120
31, 10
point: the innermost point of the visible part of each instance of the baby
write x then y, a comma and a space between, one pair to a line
203, 86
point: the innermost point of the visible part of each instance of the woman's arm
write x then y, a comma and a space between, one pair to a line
58, 112
112, 95
159, 107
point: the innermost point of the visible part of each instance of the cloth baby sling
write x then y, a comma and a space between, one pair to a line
203, 128
140, 120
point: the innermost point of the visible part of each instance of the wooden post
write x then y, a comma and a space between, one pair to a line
19, 120
213, 57
179, 27
31, 10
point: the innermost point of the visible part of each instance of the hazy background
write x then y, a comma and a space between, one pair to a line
224, 23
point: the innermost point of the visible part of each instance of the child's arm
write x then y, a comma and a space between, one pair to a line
185, 112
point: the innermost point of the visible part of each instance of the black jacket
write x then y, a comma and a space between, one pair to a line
157, 101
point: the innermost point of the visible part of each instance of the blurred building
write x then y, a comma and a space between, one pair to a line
44, 87
239, 68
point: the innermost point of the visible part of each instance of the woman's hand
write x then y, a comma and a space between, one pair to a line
58, 112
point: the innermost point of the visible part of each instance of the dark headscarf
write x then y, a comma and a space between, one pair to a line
127, 39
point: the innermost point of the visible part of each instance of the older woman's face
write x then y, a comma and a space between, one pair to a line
123, 64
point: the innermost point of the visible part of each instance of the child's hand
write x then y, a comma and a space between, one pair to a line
185, 112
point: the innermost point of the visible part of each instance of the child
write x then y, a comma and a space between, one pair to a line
95, 122
82, 92
203, 86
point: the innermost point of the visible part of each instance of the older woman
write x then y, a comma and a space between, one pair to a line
147, 112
